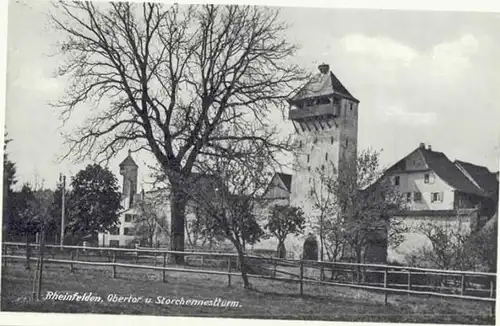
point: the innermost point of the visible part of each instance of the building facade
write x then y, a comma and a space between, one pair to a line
457, 195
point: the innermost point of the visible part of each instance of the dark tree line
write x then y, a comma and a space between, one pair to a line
92, 206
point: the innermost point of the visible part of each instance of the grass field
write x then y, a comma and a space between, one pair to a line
267, 299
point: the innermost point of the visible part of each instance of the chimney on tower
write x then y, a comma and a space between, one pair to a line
422, 145
429, 147
324, 68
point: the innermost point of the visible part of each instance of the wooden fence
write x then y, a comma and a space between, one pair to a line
467, 285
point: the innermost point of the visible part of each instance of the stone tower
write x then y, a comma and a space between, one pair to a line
128, 169
325, 117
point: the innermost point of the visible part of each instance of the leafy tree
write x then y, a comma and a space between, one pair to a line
94, 202
24, 212
456, 246
285, 220
9, 180
484, 244
179, 82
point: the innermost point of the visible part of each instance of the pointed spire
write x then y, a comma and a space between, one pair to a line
128, 161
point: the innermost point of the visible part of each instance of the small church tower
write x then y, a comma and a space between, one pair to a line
325, 117
128, 169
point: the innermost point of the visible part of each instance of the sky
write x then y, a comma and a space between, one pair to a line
420, 76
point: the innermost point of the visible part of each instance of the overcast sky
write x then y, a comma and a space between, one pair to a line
420, 76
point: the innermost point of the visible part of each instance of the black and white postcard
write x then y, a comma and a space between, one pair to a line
246, 161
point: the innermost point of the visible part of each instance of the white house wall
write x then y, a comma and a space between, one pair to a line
414, 240
415, 182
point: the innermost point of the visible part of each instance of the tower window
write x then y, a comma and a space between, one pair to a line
309, 168
346, 142
308, 158
326, 157
300, 144
331, 139
322, 167
315, 140
352, 105
129, 218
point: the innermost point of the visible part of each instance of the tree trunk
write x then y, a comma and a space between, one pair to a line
28, 251
243, 265
281, 250
177, 226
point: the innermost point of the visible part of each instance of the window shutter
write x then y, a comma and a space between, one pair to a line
441, 195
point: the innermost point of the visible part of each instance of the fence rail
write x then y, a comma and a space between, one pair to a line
467, 285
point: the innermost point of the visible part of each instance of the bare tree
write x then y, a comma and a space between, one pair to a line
168, 77
150, 223
360, 207
229, 197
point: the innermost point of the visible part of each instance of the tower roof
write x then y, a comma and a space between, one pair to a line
128, 161
323, 84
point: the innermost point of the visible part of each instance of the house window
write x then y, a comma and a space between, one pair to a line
308, 158
114, 230
396, 180
331, 140
129, 217
417, 196
408, 196
114, 243
436, 197
128, 231
426, 178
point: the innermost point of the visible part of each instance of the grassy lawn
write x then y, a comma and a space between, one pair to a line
267, 299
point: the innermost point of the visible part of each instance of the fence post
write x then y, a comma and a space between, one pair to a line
462, 283
229, 271
72, 253
164, 265
301, 277
114, 263
39, 285
28, 253
275, 267
136, 256
492, 295
409, 281
386, 271
5, 253
156, 254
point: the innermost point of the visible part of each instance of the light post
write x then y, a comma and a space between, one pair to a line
62, 179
